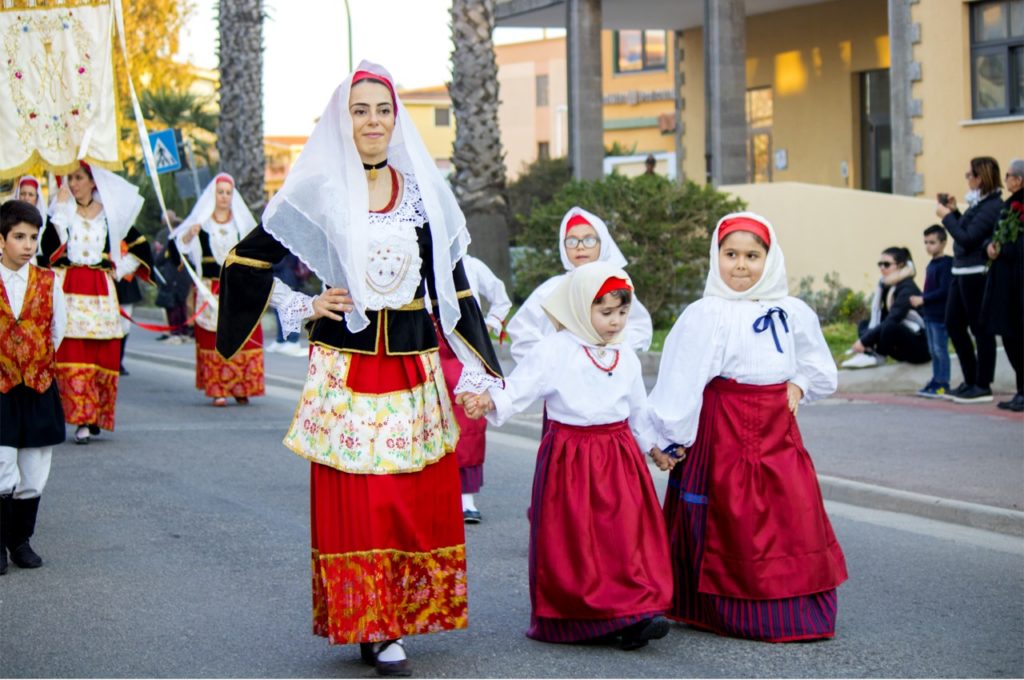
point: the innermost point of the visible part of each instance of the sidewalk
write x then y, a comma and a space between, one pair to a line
872, 445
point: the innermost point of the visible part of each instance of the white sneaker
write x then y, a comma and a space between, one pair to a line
272, 347
863, 360
293, 349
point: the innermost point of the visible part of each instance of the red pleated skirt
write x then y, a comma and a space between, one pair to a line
240, 376
472, 446
753, 551
388, 550
599, 558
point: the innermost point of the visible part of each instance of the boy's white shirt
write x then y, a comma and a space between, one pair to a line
16, 285
575, 391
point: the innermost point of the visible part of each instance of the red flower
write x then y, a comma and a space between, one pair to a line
74, 112
32, 114
81, 70
17, 74
1018, 206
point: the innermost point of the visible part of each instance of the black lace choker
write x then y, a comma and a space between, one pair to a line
372, 168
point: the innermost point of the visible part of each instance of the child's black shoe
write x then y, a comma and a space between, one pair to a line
639, 634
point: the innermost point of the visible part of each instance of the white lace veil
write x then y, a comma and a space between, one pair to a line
203, 211
771, 286
321, 212
610, 252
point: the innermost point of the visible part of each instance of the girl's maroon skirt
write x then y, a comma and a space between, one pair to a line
472, 433
388, 550
753, 551
598, 556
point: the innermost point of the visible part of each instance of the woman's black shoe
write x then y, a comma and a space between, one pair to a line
639, 634
94, 429
393, 669
366, 653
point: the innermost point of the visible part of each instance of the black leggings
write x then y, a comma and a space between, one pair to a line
899, 342
963, 311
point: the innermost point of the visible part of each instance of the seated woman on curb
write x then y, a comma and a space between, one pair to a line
894, 329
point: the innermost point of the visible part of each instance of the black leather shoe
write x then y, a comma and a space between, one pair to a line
366, 653
25, 557
94, 429
471, 516
639, 634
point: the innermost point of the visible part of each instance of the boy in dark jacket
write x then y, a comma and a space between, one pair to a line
932, 305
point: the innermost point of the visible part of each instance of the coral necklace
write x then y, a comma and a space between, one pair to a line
394, 193
597, 364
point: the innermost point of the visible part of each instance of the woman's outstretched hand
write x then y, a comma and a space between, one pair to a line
332, 303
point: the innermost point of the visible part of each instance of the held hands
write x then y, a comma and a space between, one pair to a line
476, 406
992, 249
664, 461
331, 304
793, 396
916, 300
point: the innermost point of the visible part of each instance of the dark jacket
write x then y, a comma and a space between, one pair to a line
937, 278
972, 230
247, 280
894, 314
1002, 308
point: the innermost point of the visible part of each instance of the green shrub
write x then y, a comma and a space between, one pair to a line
835, 303
663, 229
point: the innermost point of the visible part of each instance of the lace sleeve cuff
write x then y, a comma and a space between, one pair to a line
476, 381
292, 307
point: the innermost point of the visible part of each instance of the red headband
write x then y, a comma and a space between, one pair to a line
224, 177
613, 283
367, 75
87, 168
575, 221
744, 224
29, 180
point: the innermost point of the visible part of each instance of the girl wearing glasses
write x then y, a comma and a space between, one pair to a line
895, 329
582, 237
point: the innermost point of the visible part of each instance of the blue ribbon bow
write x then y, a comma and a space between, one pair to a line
767, 321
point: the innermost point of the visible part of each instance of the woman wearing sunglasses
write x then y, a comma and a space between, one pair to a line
895, 329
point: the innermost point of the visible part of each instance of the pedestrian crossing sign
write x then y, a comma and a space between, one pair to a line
165, 151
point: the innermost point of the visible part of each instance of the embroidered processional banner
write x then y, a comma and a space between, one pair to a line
56, 85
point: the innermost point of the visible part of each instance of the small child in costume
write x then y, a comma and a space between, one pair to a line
599, 564
32, 321
753, 552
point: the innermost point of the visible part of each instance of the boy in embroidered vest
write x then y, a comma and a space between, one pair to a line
32, 321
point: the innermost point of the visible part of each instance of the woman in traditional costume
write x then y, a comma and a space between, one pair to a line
91, 242
753, 551
367, 210
218, 222
29, 189
582, 237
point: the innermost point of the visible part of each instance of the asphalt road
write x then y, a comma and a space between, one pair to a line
178, 547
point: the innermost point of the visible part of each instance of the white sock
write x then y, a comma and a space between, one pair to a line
82, 431
467, 502
394, 652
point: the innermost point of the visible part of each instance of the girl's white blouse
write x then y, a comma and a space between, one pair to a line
530, 324
716, 337
87, 238
223, 237
575, 391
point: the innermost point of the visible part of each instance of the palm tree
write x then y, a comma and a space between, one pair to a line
185, 111
240, 129
479, 177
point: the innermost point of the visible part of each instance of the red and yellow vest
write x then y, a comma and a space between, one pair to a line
26, 343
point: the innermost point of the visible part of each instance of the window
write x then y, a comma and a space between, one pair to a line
442, 116
997, 58
543, 150
760, 116
637, 51
542, 90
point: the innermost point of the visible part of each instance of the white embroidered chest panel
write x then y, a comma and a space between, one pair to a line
223, 237
87, 239
393, 259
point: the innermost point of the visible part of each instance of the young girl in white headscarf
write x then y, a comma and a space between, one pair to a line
599, 565
753, 551
90, 242
366, 209
582, 237
29, 189
219, 220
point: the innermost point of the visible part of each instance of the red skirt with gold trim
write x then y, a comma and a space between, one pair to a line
241, 376
388, 550
472, 446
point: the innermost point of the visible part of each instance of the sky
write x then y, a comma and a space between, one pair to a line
306, 50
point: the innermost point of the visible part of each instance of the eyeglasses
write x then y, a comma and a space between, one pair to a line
886, 265
572, 242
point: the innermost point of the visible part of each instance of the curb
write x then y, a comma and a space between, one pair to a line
976, 515
985, 517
